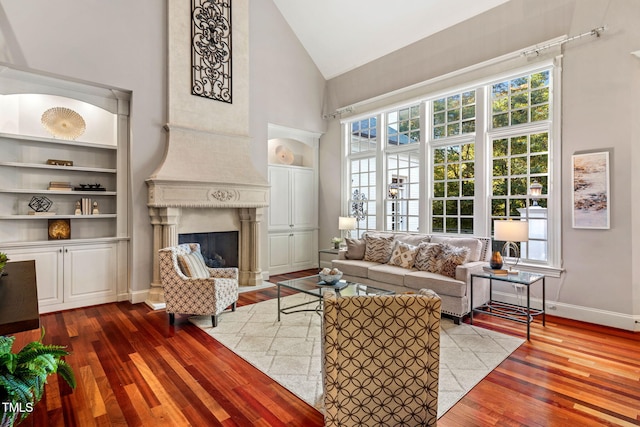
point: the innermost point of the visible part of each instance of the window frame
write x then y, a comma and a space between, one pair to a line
481, 138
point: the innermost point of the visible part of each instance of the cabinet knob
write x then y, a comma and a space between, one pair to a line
60, 250
291, 225
291, 235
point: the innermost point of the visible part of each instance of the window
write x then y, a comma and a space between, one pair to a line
454, 115
470, 160
403, 191
452, 204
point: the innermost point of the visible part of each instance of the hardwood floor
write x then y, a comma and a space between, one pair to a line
133, 369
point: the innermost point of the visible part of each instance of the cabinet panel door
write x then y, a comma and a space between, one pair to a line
279, 253
90, 273
303, 209
302, 250
279, 198
48, 272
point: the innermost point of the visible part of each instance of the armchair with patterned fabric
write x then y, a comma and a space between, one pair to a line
381, 358
190, 287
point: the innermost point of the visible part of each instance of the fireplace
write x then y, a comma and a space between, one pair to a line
219, 249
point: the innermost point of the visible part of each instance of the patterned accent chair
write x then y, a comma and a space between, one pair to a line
381, 359
197, 296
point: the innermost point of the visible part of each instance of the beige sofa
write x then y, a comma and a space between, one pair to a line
383, 260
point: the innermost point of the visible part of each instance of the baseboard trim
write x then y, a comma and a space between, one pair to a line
575, 312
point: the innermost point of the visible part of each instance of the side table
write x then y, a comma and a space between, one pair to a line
517, 313
326, 251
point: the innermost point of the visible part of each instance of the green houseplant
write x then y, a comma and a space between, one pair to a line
24, 374
3, 261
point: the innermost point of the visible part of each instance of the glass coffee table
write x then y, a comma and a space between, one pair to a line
311, 285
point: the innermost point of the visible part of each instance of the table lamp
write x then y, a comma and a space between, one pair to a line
511, 232
345, 225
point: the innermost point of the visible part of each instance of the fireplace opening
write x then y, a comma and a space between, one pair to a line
219, 249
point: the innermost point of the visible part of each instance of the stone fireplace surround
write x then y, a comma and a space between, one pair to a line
207, 183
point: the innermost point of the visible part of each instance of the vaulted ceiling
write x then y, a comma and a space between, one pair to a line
341, 35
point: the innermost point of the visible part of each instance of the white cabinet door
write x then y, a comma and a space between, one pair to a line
279, 253
90, 273
302, 254
303, 199
49, 272
280, 198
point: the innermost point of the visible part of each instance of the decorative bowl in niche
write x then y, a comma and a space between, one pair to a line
63, 123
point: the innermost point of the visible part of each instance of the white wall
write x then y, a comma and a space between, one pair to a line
123, 43
599, 112
117, 43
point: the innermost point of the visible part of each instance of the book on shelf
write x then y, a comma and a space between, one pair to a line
60, 186
41, 213
498, 271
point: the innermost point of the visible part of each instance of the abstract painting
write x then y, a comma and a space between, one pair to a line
591, 202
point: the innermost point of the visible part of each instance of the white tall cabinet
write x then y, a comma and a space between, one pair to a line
85, 263
293, 203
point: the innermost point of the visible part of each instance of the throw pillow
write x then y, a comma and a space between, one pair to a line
355, 248
474, 245
403, 255
428, 257
451, 257
378, 248
192, 265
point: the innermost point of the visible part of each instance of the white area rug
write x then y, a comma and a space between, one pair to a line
289, 351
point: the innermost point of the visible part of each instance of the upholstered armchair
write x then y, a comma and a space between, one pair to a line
190, 287
381, 359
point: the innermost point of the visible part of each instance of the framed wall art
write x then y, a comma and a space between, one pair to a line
591, 207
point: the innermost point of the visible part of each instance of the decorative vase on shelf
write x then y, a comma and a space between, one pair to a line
496, 260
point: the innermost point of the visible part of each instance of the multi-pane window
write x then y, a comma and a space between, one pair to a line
454, 115
403, 126
453, 177
363, 136
517, 162
403, 191
362, 199
479, 152
524, 99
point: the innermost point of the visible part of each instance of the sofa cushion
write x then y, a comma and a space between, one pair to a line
403, 255
388, 274
355, 248
451, 257
427, 258
413, 239
442, 285
378, 248
353, 267
474, 245
192, 265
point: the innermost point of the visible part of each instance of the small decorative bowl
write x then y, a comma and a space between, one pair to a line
330, 279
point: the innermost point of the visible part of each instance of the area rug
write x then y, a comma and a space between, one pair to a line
289, 351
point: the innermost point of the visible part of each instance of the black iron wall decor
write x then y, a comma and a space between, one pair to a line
211, 49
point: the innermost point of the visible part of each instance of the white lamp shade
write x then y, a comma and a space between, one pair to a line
511, 231
346, 223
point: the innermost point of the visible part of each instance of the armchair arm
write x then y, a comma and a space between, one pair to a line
224, 273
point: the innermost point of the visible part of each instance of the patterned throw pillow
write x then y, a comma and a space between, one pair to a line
378, 248
451, 257
192, 265
428, 257
403, 255
355, 248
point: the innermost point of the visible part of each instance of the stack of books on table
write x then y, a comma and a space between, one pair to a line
497, 271
60, 186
